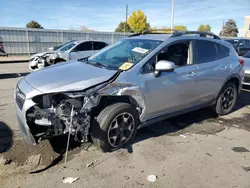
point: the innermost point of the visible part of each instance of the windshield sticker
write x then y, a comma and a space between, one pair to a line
140, 50
125, 66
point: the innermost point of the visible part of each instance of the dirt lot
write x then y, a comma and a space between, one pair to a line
193, 150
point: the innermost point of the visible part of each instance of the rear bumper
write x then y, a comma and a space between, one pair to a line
246, 80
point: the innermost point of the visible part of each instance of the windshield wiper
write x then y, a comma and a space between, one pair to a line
98, 64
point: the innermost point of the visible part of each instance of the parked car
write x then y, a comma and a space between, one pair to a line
2, 52
73, 50
242, 46
246, 59
49, 50
137, 81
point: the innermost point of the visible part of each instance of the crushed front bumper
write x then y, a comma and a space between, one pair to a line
24, 89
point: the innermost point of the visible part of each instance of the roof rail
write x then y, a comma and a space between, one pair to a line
177, 33
200, 33
154, 32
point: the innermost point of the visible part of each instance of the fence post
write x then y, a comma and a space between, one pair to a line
62, 37
28, 42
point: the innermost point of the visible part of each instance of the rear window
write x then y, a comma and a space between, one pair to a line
247, 55
206, 51
222, 51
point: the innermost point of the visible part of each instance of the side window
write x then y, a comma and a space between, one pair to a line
178, 53
99, 45
85, 46
222, 50
150, 65
206, 51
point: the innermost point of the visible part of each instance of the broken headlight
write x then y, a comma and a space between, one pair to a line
20, 97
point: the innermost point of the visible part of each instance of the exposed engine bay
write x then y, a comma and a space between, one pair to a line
58, 114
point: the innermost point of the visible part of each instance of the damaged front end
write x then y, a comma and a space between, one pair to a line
58, 114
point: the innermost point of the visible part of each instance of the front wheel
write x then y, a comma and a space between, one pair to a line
227, 99
115, 126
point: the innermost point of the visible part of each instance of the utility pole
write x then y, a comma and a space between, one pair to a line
126, 13
126, 18
57, 32
223, 28
172, 17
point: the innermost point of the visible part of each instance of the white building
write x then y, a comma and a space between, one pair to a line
246, 30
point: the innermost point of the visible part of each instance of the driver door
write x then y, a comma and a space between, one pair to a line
170, 91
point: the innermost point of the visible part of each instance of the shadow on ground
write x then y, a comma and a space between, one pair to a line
13, 75
59, 146
6, 137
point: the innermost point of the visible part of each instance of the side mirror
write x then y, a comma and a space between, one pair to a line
164, 66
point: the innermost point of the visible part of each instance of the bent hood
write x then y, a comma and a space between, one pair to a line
68, 76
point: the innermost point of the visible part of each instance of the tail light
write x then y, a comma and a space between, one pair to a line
242, 62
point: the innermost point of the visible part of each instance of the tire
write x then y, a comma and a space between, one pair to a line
221, 108
104, 126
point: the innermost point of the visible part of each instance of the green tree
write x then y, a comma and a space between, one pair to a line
124, 27
180, 27
168, 29
34, 24
230, 29
138, 21
203, 27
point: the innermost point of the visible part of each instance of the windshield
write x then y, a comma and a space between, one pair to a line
124, 51
247, 54
67, 46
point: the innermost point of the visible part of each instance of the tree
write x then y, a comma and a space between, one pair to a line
138, 21
34, 24
180, 27
124, 27
204, 28
85, 29
168, 29
230, 29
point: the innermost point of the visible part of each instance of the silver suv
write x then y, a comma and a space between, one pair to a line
135, 82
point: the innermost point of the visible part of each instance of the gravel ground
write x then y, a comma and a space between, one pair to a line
192, 150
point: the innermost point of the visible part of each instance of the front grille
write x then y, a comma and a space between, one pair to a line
20, 98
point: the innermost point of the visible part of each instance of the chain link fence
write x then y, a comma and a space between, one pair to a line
23, 41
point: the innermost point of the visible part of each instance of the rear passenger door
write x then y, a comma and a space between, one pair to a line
82, 50
213, 68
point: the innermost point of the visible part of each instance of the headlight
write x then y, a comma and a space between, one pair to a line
20, 97
41, 60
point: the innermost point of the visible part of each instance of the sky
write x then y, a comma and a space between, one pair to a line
105, 15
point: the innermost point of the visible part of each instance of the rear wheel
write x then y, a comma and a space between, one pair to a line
227, 99
115, 126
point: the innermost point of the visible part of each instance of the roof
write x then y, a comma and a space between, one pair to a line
85, 40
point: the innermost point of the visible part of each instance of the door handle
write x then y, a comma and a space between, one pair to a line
224, 68
191, 74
